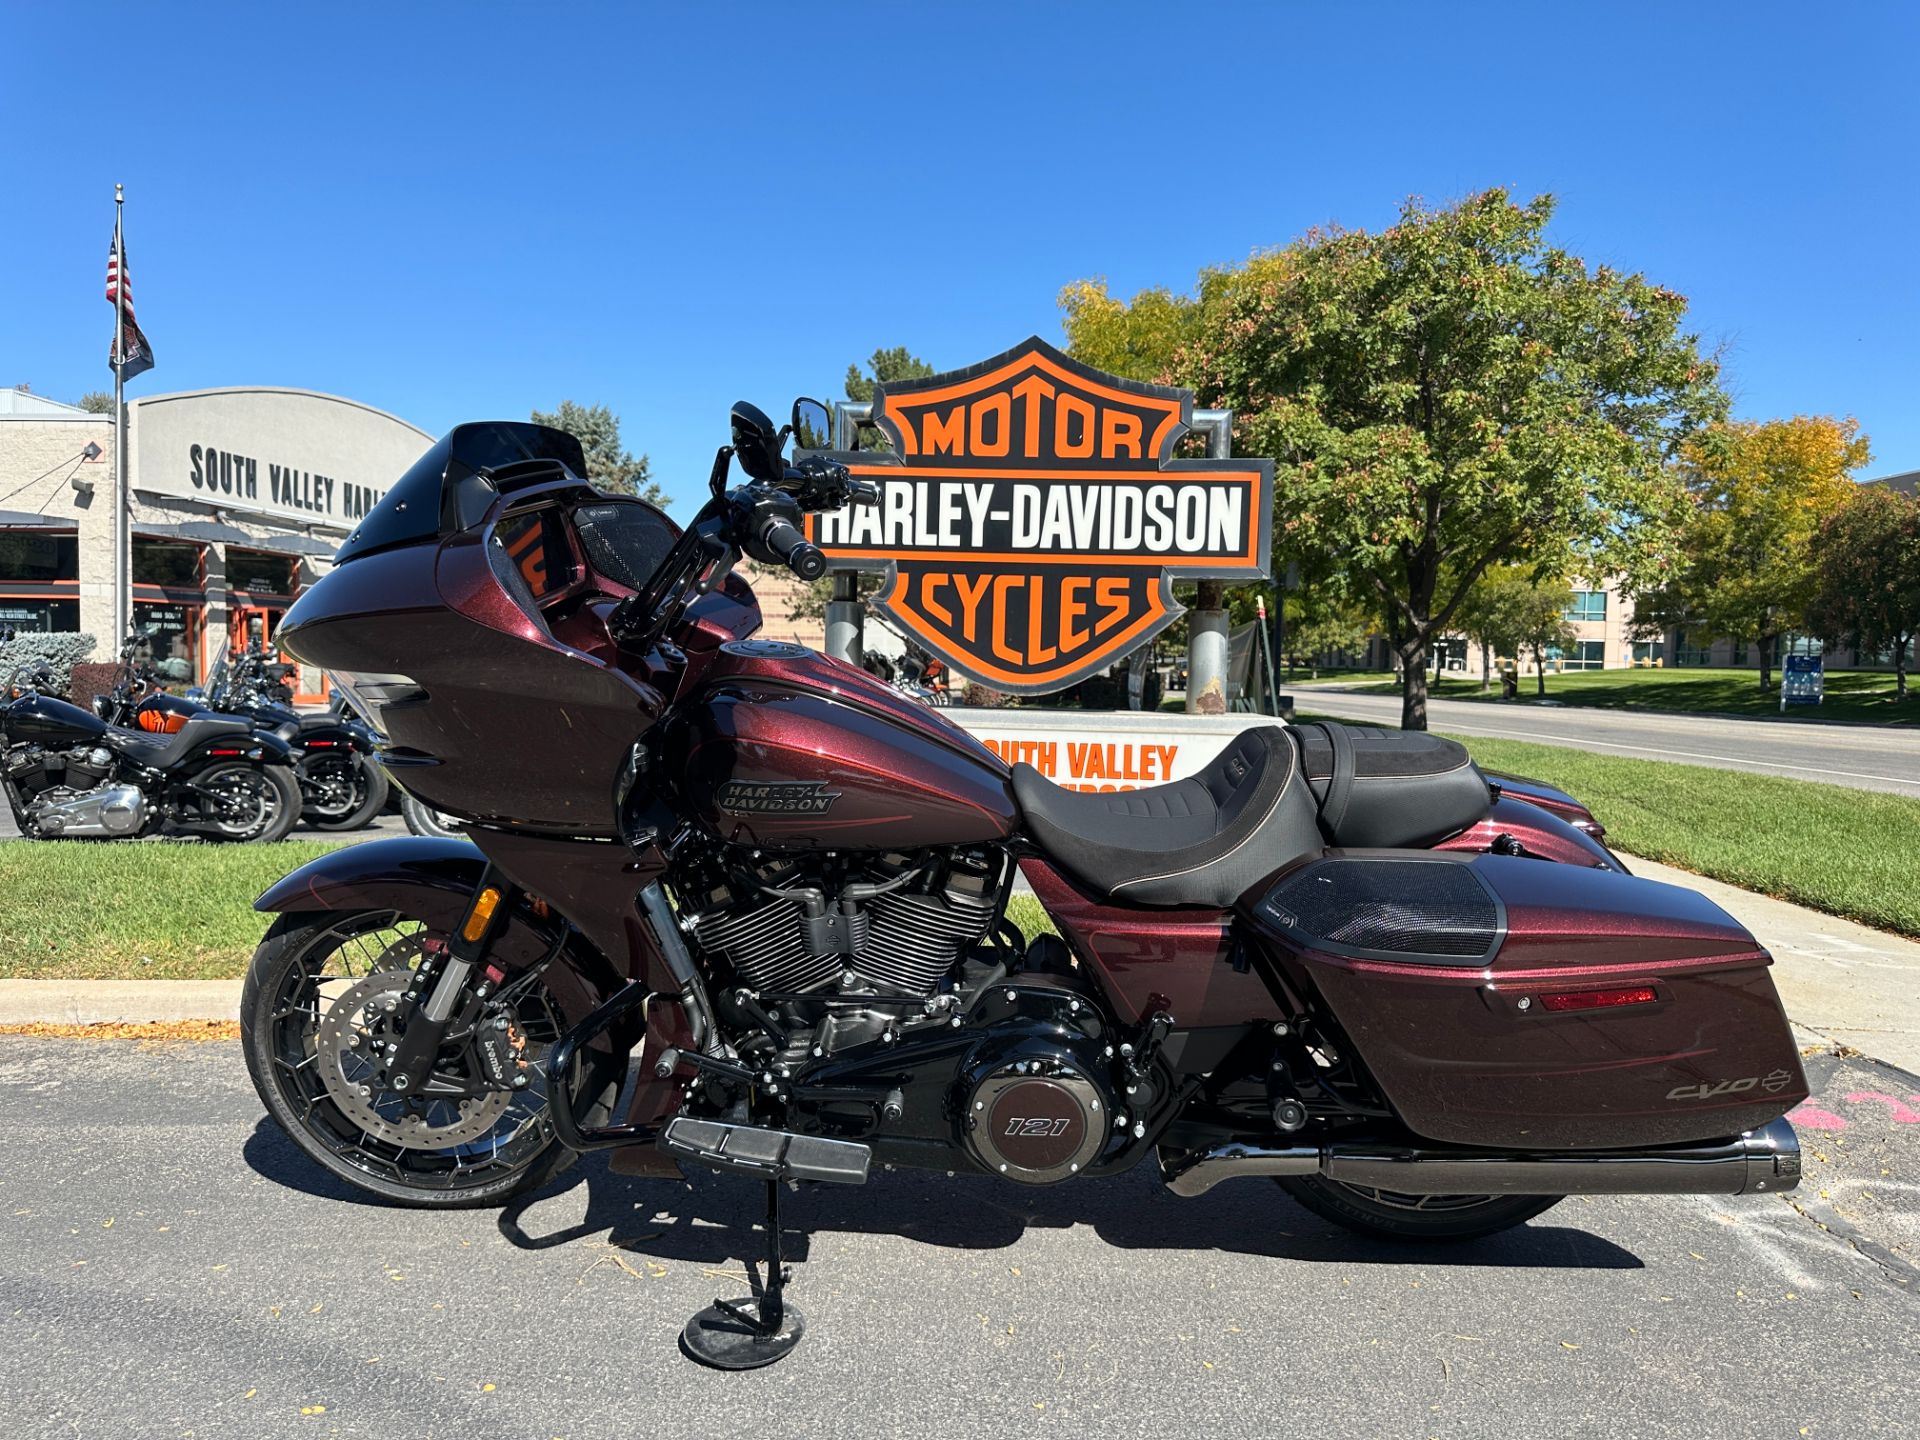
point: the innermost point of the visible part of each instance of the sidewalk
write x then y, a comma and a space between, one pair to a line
1842, 983
1845, 983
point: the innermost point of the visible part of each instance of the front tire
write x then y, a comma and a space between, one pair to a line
310, 962
1388, 1215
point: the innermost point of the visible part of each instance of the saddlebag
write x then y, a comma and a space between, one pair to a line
1506, 1001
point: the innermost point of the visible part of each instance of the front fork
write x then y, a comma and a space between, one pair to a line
445, 992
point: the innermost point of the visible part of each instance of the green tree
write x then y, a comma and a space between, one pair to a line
1867, 591
1139, 338
610, 465
885, 367
1758, 492
1496, 614
1540, 611
1323, 627
97, 402
1454, 393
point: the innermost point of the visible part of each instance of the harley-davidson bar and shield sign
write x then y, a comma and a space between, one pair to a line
1032, 518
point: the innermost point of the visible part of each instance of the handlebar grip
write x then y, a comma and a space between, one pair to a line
791, 545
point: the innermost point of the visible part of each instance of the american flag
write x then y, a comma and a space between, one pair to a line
139, 356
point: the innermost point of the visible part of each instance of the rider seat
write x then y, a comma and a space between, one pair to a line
1273, 796
162, 751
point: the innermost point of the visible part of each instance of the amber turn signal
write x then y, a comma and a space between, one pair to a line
483, 907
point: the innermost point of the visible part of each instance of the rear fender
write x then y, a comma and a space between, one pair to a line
334, 739
432, 880
221, 749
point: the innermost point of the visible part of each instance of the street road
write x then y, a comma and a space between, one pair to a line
1865, 757
170, 1266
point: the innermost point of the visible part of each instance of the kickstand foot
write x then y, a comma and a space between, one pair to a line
746, 1334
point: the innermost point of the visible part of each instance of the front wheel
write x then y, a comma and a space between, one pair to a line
1390, 1215
241, 802
315, 1016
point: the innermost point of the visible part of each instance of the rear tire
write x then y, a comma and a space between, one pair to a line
370, 782
285, 801
1390, 1216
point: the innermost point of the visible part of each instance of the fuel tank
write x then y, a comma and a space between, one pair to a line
783, 748
43, 720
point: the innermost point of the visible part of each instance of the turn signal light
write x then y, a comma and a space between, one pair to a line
484, 905
1598, 999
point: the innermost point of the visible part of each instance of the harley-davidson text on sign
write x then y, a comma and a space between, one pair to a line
1032, 521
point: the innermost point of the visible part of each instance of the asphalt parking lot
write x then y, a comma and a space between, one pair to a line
170, 1265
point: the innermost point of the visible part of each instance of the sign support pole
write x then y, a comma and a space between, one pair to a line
1207, 649
122, 537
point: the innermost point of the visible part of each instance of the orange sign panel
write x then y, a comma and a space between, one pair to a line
1032, 518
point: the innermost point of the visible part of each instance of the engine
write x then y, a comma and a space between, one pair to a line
876, 988
67, 792
892, 925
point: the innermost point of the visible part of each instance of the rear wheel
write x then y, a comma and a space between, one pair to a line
315, 1010
343, 791
245, 802
1394, 1216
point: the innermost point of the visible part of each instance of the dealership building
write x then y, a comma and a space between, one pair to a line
238, 496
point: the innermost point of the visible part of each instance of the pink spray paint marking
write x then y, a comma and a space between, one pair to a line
1809, 1116
1900, 1114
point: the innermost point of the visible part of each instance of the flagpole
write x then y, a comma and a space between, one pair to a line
122, 537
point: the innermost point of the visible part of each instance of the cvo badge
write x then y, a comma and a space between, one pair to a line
1032, 520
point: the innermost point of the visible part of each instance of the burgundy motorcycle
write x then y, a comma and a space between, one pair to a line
727, 902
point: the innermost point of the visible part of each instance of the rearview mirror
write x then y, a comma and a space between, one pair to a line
757, 442
812, 425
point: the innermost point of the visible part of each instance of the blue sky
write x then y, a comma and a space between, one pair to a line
454, 213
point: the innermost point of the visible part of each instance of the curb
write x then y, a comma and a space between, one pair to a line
121, 1002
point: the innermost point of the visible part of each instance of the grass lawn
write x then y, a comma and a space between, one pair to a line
80, 909
1845, 852
1851, 694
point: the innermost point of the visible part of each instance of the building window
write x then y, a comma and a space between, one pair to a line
260, 573
1448, 653
41, 617
1583, 655
1692, 649
38, 556
1588, 605
1802, 645
1648, 652
176, 638
166, 562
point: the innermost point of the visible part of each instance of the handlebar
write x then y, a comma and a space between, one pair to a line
787, 543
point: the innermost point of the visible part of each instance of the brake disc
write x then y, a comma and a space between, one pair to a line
431, 1123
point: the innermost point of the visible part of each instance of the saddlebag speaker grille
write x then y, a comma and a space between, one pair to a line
1437, 911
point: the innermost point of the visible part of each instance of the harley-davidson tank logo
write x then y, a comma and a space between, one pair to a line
1032, 518
750, 797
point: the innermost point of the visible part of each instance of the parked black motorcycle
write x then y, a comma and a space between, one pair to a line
342, 786
69, 774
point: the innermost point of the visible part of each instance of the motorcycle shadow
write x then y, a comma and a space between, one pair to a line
710, 1220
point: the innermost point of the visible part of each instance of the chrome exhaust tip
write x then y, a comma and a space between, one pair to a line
1759, 1161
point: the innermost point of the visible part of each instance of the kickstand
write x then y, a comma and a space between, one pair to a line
746, 1334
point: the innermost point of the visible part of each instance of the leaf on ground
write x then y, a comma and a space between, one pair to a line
1568, 1345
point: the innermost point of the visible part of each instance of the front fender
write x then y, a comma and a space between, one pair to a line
432, 880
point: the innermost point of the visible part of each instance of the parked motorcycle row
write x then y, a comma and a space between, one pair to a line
744, 907
232, 762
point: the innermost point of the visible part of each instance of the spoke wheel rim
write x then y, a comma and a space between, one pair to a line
1423, 1204
243, 788
328, 967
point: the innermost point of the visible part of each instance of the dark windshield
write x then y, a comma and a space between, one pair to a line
451, 486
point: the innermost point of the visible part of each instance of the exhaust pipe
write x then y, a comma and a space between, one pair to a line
1763, 1160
